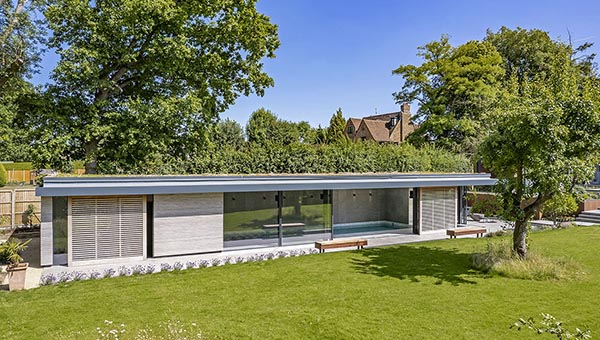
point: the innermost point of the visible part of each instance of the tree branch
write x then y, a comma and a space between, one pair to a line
104, 93
13, 22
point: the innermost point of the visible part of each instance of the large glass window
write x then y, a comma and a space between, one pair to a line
306, 216
371, 211
250, 220
59, 225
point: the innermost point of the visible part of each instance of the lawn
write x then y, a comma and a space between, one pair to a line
418, 291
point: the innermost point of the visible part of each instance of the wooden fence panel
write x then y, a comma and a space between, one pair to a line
5, 208
14, 205
20, 175
23, 199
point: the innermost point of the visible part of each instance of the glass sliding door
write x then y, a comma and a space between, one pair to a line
371, 212
60, 230
250, 220
306, 216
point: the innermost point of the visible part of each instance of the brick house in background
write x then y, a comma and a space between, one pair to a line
391, 127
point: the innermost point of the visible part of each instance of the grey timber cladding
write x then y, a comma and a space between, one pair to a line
187, 224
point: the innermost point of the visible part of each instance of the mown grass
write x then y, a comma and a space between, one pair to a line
418, 291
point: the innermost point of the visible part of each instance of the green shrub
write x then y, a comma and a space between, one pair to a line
3, 176
18, 166
10, 252
560, 208
550, 325
78, 165
499, 259
487, 205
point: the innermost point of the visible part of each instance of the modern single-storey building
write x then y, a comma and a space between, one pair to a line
94, 220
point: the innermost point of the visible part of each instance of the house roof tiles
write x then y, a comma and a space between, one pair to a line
355, 122
378, 129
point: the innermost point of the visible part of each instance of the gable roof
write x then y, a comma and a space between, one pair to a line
377, 129
355, 122
385, 117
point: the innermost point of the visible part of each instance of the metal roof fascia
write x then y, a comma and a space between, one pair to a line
50, 181
144, 188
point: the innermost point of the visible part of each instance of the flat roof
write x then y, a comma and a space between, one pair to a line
148, 185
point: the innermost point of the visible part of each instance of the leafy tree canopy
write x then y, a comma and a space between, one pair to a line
228, 133
21, 35
265, 128
138, 79
544, 139
453, 86
532, 54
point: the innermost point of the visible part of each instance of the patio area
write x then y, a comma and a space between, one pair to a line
400, 236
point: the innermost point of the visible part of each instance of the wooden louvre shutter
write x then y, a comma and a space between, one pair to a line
107, 227
427, 208
133, 233
83, 232
438, 208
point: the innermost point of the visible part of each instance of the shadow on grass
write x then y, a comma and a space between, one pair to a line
411, 263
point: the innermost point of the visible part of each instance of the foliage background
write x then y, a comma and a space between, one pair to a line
305, 158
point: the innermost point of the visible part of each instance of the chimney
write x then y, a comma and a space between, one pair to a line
405, 108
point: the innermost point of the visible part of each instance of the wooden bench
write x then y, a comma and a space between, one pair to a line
466, 231
322, 245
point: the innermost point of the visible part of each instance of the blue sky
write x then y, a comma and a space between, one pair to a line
341, 53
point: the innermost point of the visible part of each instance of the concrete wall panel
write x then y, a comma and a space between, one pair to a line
350, 206
46, 245
397, 205
188, 224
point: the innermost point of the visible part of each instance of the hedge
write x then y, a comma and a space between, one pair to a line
302, 158
357, 158
3, 176
18, 166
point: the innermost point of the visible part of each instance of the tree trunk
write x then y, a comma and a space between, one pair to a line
520, 238
91, 158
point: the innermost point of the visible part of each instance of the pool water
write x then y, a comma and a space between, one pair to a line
367, 228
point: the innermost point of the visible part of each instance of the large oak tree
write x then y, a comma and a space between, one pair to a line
21, 45
138, 80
